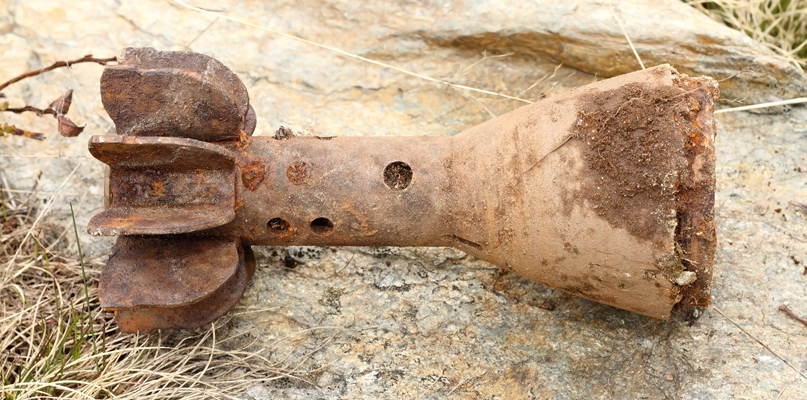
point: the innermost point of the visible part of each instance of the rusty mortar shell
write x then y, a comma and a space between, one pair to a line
605, 192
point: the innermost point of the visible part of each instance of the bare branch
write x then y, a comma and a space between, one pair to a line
791, 314
6, 130
59, 64
39, 111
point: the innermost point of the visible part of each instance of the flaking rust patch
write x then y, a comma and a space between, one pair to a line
695, 234
650, 169
252, 174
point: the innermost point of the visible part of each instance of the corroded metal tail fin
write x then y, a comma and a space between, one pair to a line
164, 185
182, 281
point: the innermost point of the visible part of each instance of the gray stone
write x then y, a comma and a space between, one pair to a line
430, 322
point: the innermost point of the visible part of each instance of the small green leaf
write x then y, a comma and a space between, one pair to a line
6, 129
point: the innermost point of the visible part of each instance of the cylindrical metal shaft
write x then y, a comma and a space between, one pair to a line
384, 191
599, 192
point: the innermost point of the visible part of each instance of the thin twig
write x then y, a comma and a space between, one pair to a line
484, 57
481, 104
800, 206
624, 32
782, 359
465, 381
545, 77
552, 150
785, 309
743, 71
39, 111
21, 211
798, 100
778, 396
555, 84
59, 64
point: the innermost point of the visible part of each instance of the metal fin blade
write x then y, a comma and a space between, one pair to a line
160, 186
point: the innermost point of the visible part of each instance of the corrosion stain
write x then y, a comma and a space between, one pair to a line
634, 162
695, 235
649, 157
244, 140
587, 290
298, 173
158, 189
363, 224
253, 174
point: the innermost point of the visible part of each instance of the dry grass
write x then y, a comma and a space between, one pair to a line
57, 343
779, 24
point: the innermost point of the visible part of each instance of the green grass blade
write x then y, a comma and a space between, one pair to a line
86, 290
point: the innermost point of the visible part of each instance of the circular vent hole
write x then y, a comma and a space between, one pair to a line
398, 175
278, 225
322, 226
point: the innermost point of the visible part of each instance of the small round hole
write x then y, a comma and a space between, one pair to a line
279, 225
322, 226
398, 175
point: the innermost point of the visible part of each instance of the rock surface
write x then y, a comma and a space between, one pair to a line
434, 323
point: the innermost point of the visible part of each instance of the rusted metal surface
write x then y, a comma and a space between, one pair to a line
180, 94
151, 271
214, 303
605, 192
164, 185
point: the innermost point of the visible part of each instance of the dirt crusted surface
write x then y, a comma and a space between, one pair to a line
650, 161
